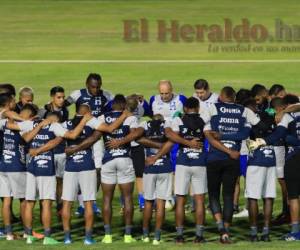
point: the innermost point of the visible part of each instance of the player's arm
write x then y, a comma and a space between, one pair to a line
88, 142
74, 133
132, 136
109, 128
175, 137
12, 115
165, 149
46, 147
149, 143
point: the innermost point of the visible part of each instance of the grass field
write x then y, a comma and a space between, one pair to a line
93, 30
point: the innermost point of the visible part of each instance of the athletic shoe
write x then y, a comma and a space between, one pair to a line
107, 239
89, 241
292, 237
2, 233
38, 235
30, 239
265, 238
67, 241
129, 239
242, 214
50, 241
10, 237
80, 211
179, 240
96, 209
156, 242
225, 239
146, 239
199, 239
253, 238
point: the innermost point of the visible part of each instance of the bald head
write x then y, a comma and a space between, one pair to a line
165, 90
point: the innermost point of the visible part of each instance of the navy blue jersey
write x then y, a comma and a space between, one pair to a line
155, 131
98, 104
233, 122
190, 127
43, 164
13, 150
81, 160
120, 133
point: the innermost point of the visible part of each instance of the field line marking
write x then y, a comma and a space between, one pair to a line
150, 61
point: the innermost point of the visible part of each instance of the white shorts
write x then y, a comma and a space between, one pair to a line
169, 190
118, 171
60, 164
40, 187
155, 186
280, 161
13, 184
186, 176
98, 150
85, 180
260, 182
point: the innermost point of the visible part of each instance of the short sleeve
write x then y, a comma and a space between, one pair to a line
25, 126
251, 117
285, 121
143, 125
95, 123
207, 127
176, 122
74, 96
208, 113
58, 129
2, 123
132, 122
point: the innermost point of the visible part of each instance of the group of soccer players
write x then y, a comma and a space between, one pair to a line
185, 147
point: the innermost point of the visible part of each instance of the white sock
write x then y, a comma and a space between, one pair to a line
80, 200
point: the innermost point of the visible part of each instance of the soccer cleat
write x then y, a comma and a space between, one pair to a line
225, 239
39, 236
145, 239
179, 240
107, 239
292, 237
80, 211
30, 239
156, 242
129, 239
50, 241
242, 214
96, 209
265, 238
67, 241
89, 241
199, 239
10, 237
253, 238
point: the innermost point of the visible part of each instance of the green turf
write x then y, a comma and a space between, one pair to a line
93, 30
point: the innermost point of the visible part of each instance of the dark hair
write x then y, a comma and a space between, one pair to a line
291, 99
257, 89
119, 102
201, 84
56, 89
229, 92
249, 102
56, 113
275, 89
7, 88
94, 76
31, 107
191, 103
242, 95
5, 99
277, 102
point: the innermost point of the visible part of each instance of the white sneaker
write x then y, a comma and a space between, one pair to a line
242, 214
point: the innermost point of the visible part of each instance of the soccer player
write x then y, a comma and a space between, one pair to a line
25, 96
277, 90
56, 104
43, 137
190, 166
99, 101
229, 121
261, 176
261, 95
118, 169
169, 105
204, 94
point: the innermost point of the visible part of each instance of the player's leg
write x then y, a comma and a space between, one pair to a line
28, 220
199, 187
149, 184
6, 213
